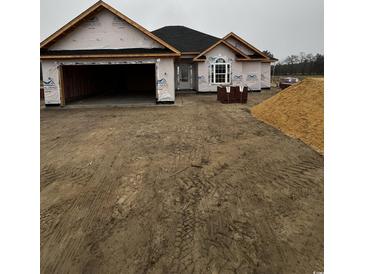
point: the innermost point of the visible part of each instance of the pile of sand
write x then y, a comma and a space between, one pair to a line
297, 111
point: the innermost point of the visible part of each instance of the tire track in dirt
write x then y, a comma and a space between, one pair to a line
227, 244
219, 200
242, 240
230, 236
71, 175
223, 241
192, 188
272, 259
230, 241
49, 174
187, 257
189, 234
50, 218
299, 175
63, 234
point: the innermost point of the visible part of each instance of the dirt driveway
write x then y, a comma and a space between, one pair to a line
196, 188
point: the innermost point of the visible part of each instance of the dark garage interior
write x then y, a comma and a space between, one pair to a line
109, 84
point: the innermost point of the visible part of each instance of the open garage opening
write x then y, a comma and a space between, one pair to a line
109, 84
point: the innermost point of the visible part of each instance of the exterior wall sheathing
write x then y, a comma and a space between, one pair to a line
242, 73
105, 31
265, 75
165, 87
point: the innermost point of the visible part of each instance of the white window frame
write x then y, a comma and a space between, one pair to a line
227, 73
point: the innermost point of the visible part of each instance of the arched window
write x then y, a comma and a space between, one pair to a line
220, 72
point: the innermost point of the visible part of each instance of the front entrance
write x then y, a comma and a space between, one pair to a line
184, 76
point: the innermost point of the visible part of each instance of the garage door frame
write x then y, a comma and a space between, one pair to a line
62, 88
61, 77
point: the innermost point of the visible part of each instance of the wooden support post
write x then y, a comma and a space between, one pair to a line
62, 89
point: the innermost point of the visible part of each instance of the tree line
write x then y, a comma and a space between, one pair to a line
302, 64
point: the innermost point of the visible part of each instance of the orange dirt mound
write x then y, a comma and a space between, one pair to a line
297, 111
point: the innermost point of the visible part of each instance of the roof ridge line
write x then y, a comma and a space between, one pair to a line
187, 28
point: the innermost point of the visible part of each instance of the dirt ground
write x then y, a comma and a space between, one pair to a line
200, 187
298, 111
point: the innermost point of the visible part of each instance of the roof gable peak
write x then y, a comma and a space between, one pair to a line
222, 41
238, 38
96, 8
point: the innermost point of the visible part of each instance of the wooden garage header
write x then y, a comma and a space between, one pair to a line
106, 56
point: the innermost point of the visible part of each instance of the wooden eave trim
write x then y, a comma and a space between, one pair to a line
207, 50
253, 60
242, 60
215, 45
237, 50
93, 8
70, 24
189, 53
53, 57
269, 61
136, 25
231, 34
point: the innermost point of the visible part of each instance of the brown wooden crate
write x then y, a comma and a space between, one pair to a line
235, 96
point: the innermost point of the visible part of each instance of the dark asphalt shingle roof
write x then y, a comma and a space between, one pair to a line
105, 51
185, 39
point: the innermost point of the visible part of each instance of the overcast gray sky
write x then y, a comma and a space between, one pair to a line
283, 27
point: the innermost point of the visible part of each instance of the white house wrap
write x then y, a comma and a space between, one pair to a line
104, 52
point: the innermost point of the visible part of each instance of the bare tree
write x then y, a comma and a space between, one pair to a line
302, 64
